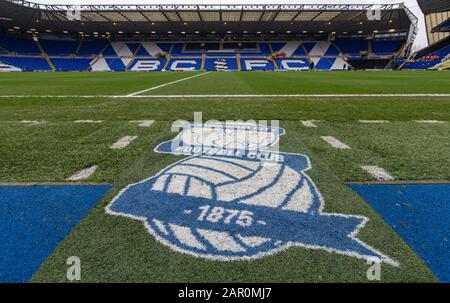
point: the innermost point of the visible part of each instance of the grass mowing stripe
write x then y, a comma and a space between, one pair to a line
229, 96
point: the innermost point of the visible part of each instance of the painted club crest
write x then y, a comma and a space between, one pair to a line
235, 198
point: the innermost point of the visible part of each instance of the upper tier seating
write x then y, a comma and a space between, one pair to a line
19, 45
91, 48
352, 47
59, 47
386, 47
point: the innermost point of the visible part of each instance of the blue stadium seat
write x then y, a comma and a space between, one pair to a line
187, 64
116, 64
352, 47
117, 55
386, 47
265, 49
27, 63
91, 48
221, 64
72, 64
59, 47
147, 64
293, 64
255, 63
20, 45
299, 52
177, 49
423, 63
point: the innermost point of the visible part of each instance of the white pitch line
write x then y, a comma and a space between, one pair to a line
224, 96
83, 174
88, 121
378, 173
430, 121
123, 142
166, 84
33, 123
335, 142
308, 123
373, 121
143, 123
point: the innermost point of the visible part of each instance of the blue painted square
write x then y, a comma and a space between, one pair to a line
35, 219
420, 214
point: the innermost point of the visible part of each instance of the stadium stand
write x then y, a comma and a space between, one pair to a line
429, 60
19, 45
118, 55
26, 63
215, 43
60, 47
71, 64
8, 68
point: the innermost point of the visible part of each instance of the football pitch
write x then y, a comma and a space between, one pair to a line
60, 129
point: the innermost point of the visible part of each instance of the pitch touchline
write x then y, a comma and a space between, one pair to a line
165, 84
289, 95
224, 96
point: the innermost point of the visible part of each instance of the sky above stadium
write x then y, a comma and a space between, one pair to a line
421, 40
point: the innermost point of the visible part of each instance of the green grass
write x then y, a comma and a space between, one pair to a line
82, 83
314, 83
76, 83
120, 249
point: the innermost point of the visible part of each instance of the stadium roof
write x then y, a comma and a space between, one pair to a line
164, 21
434, 6
442, 27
